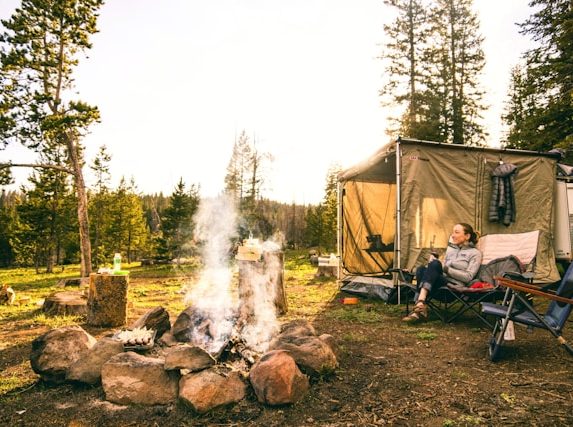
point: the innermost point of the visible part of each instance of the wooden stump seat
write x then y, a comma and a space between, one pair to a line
65, 303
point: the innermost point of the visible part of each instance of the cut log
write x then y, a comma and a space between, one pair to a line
65, 303
269, 269
274, 267
107, 300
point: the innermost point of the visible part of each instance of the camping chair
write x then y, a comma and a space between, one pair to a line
502, 255
517, 308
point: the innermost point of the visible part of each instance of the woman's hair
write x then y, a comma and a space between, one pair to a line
468, 229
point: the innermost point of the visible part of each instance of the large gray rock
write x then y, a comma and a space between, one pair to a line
87, 369
132, 378
312, 355
157, 319
188, 357
297, 327
206, 390
167, 340
56, 350
184, 325
329, 341
277, 380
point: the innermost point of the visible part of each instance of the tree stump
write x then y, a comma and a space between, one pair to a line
271, 269
107, 300
274, 266
65, 303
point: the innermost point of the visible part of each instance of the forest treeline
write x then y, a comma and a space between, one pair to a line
38, 224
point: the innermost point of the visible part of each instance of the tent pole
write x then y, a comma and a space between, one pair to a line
339, 227
397, 248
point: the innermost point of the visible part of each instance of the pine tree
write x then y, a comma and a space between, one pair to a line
45, 219
460, 61
434, 62
127, 232
177, 221
236, 179
8, 223
546, 120
244, 182
39, 50
330, 203
322, 220
407, 70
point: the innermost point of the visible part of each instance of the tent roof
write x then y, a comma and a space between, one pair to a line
376, 167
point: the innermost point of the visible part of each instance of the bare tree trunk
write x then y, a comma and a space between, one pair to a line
83, 221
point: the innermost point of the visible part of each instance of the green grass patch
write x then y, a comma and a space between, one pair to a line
426, 335
56, 321
351, 337
16, 379
355, 313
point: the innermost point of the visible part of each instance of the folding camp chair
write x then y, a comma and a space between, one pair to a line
517, 308
502, 255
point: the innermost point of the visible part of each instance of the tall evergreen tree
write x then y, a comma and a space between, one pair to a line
127, 232
44, 216
546, 81
244, 182
460, 61
321, 221
38, 52
520, 107
177, 221
330, 203
236, 179
434, 59
407, 69
8, 223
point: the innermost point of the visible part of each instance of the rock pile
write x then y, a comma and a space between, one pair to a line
172, 370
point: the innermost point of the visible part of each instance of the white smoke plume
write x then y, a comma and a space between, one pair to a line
215, 227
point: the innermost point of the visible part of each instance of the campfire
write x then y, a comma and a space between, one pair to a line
247, 328
226, 339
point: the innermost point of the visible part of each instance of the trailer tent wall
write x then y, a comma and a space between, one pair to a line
439, 185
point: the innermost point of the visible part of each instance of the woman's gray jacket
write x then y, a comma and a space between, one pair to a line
463, 263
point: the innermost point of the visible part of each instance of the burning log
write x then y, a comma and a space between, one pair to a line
196, 327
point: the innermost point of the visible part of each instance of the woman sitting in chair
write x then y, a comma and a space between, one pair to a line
461, 264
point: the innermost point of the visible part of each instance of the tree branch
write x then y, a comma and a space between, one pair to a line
36, 165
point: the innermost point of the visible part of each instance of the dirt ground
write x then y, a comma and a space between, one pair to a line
427, 374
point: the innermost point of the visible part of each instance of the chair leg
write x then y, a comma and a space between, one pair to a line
496, 340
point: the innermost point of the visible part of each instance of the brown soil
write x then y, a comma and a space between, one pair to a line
428, 374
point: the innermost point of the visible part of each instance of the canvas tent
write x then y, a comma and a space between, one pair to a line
401, 204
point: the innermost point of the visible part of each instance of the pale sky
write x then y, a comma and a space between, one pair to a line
176, 81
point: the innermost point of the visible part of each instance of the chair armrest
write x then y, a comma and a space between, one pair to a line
534, 290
